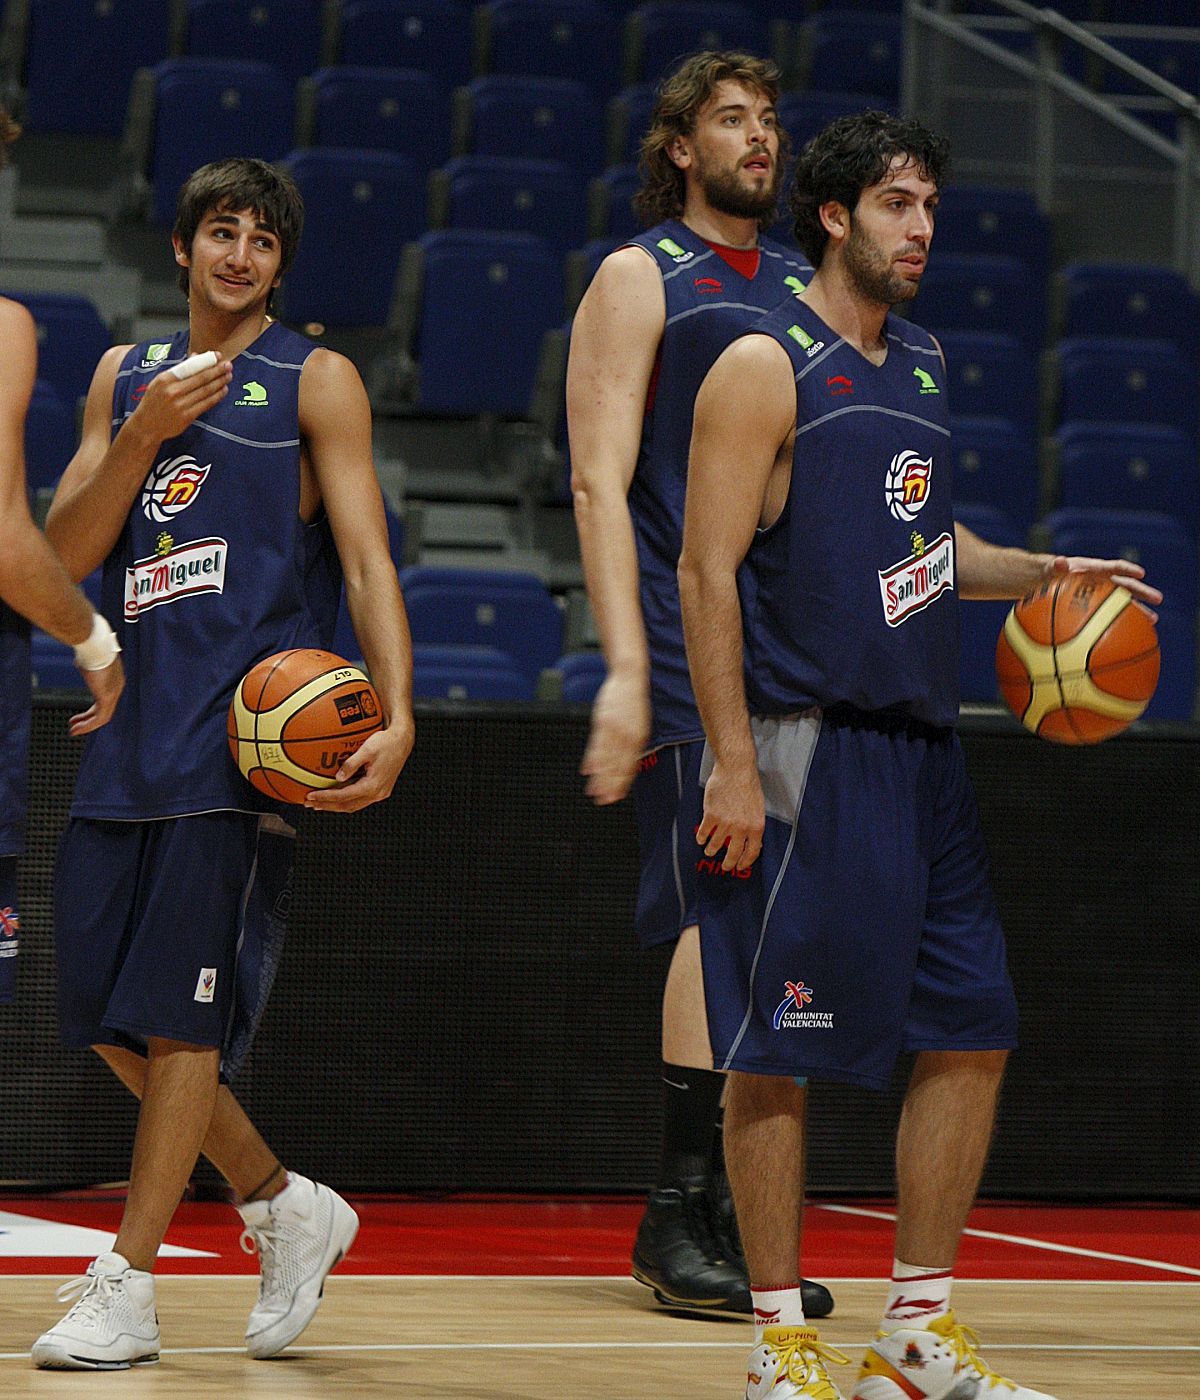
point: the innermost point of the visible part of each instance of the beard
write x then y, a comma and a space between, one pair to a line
728, 195
871, 272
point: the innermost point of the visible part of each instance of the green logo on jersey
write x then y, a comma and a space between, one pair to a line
668, 245
799, 334
926, 382
794, 283
154, 353
256, 396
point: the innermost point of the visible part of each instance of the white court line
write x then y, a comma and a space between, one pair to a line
830, 1279
1030, 1243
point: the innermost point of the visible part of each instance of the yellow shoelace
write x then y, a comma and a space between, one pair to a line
805, 1359
966, 1344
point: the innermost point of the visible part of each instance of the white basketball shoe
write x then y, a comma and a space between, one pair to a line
940, 1362
789, 1364
112, 1326
300, 1235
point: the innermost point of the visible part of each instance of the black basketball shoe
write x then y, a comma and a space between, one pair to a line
676, 1254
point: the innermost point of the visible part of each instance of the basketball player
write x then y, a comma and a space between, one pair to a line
35, 586
862, 923
658, 313
225, 508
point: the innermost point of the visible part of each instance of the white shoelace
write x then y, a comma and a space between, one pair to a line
95, 1292
262, 1238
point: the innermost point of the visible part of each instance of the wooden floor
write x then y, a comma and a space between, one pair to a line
597, 1339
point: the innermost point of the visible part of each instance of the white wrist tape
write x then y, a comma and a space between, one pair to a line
194, 364
100, 649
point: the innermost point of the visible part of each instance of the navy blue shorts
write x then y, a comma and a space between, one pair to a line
668, 802
170, 928
868, 925
10, 924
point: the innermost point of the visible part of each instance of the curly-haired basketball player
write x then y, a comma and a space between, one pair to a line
226, 508
35, 587
819, 579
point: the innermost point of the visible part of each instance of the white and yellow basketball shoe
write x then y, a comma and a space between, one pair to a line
938, 1362
789, 1364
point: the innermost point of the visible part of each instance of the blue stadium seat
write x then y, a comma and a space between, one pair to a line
284, 33
658, 34
80, 60
1130, 300
49, 436
995, 464
1165, 548
612, 202
803, 114
468, 673
366, 205
573, 39
53, 663
991, 376
206, 108
583, 673
382, 109
541, 197
1105, 379
487, 299
993, 294
512, 612
1129, 466
982, 621
974, 219
1174, 697
857, 52
628, 121
432, 35
534, 119
71, 338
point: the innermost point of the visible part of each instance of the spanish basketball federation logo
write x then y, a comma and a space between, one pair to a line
907, 487
171, 487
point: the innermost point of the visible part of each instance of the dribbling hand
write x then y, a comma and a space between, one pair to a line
1121, 571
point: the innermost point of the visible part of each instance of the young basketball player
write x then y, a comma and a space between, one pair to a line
853, 919
225, 507
659, 312
34, 586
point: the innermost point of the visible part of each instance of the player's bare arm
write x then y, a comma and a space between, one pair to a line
614, 342
32, 578
335, 426
738, 476
992, 571
104, 476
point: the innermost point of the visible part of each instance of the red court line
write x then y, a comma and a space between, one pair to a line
531, 1236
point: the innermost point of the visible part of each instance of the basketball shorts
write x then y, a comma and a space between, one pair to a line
10, 924
668, 801
170, 928
867, 926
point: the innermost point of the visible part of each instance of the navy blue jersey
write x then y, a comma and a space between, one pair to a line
14, 728
849, 597
213, 571
708, 304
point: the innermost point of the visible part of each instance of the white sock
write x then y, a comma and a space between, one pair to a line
777, 1305
918, 1296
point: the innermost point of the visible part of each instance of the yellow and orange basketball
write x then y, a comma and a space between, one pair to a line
1077, 660
296, 718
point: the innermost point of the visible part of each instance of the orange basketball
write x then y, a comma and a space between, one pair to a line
295, 719
1077, 660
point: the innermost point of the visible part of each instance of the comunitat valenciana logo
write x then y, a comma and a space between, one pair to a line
171, 487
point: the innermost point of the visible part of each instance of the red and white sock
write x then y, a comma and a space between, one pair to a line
777, 1305
918, 1296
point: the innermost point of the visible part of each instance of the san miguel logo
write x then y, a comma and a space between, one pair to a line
195, 567
907, 487
171, 487
915, 582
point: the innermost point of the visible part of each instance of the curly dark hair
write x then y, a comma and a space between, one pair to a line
681, 95
849, 156
235, 184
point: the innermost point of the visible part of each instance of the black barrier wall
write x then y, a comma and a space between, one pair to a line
461, 1006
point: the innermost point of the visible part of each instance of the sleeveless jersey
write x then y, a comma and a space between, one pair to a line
849, 597
708, 305
213, 571
15, 704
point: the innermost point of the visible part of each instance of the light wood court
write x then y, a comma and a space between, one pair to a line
596, 1339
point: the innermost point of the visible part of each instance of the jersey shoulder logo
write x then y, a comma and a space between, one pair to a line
674, 251
253, 396
172, 486
155, 355
926, 384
